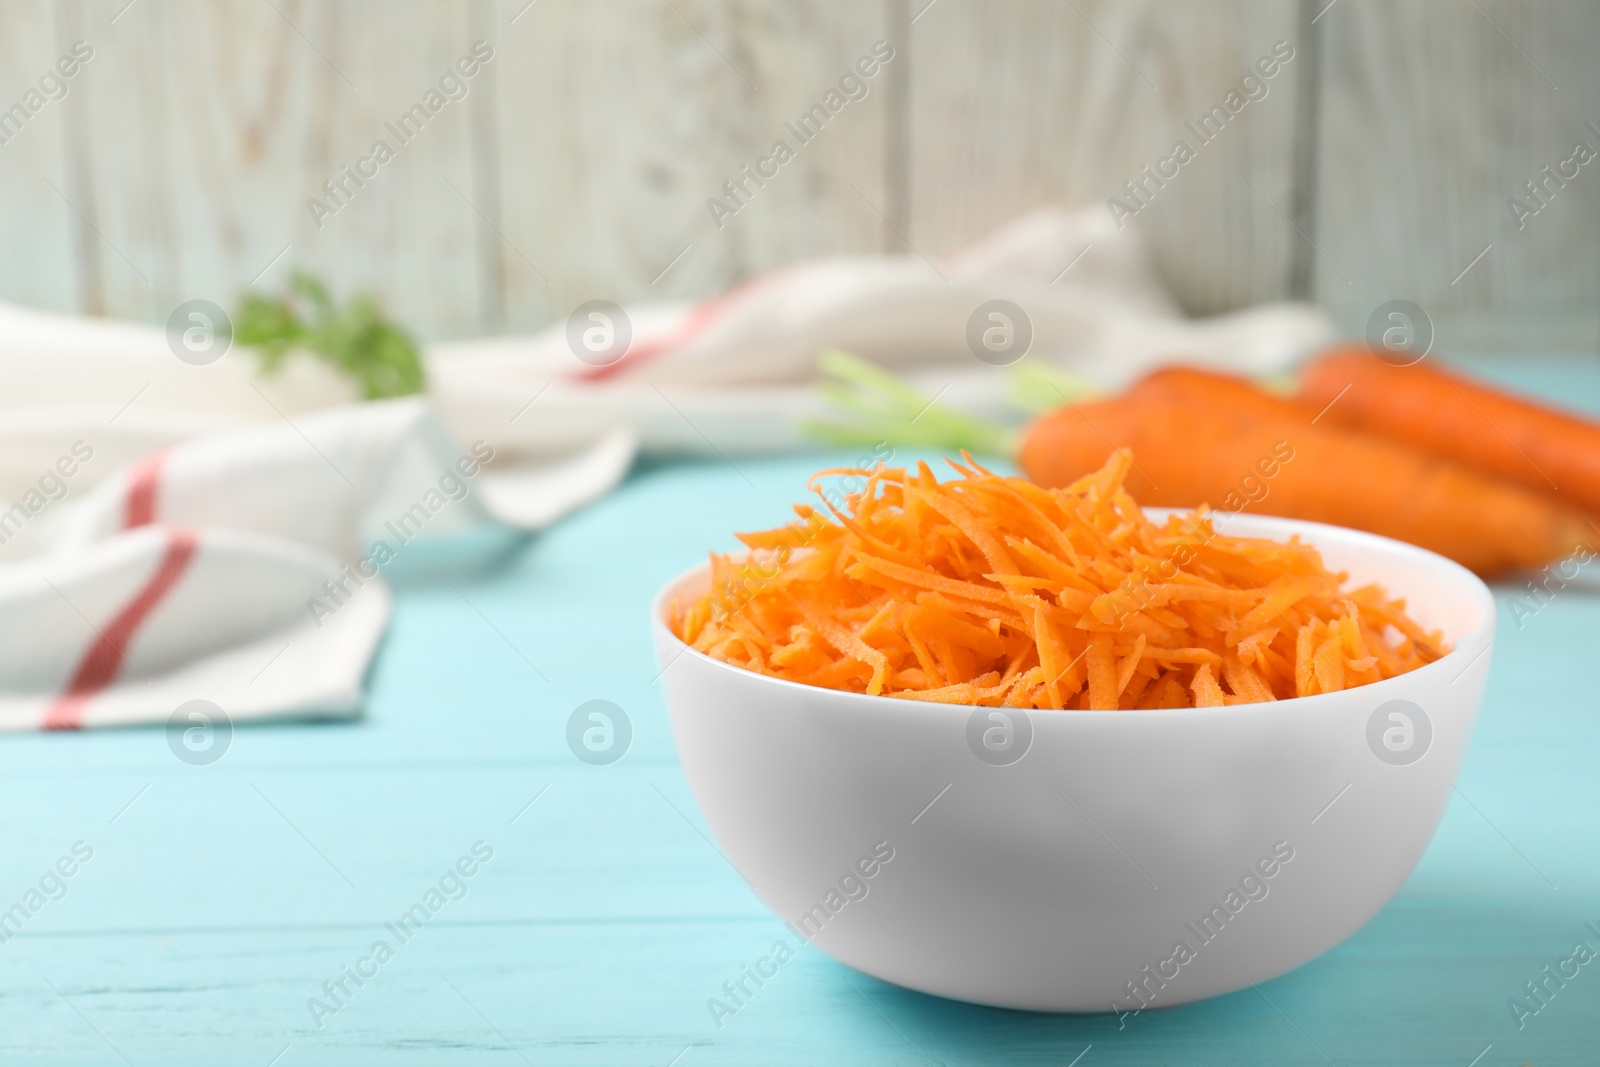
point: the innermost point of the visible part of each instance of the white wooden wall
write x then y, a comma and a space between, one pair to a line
1379, 165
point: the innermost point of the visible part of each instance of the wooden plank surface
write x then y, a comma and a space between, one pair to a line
37, 226
209, 127
581, 161
1434, 117
618, 125
220, 898
1020, 104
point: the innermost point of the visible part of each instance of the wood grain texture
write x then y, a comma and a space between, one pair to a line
1022, 103
580, 164
37, 225
1434, 116
620, 122
210, 127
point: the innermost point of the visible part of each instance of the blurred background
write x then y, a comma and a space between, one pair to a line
1380, 164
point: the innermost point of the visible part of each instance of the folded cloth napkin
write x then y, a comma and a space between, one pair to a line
241, 567
178, 532
172, 532
736, 373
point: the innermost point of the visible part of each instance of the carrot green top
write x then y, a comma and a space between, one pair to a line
991, 590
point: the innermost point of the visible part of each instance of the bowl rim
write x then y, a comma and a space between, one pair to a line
1477, 642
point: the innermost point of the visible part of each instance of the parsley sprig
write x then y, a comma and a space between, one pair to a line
357, 338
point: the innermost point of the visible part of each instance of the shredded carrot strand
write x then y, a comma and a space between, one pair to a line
990, 590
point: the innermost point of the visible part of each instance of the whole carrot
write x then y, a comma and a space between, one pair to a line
1216, 392
1449, 415
1184, 456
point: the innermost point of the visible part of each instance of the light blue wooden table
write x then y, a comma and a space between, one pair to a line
219, 899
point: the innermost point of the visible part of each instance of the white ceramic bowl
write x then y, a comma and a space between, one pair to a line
1068, 879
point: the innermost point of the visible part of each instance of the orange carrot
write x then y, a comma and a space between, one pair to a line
1449, 415
995, 591
1216, 393
1186, 456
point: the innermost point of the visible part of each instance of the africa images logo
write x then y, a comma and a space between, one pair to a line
1399, 732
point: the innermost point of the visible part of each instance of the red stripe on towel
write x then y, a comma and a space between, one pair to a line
139, 509
105, 656
695, 322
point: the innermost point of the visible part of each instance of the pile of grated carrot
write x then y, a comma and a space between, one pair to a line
991, 590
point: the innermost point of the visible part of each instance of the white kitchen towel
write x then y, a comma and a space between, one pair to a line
736, 373
243, 568
172, 532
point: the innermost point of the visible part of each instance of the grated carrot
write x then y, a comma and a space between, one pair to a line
993, 591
